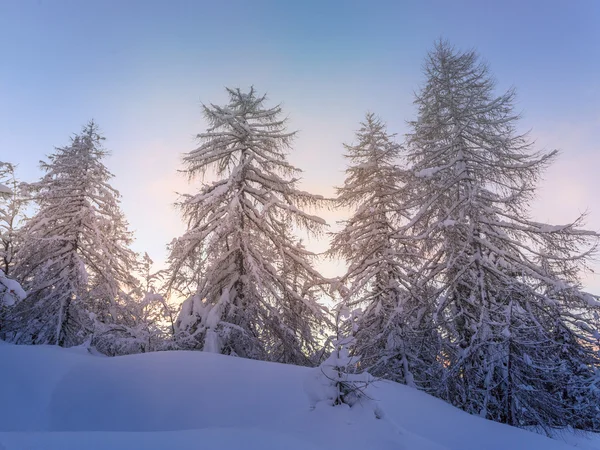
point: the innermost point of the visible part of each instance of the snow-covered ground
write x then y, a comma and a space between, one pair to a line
68, 399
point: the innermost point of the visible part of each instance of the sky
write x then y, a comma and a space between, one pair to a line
142, 69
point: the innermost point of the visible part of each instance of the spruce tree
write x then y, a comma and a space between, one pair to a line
74, 261
509, 304
239, 232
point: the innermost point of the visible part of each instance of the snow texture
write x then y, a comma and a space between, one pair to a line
191, 400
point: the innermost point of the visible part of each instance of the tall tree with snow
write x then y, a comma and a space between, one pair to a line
13, 203
75, 261
509, 304
387, 330
255, 278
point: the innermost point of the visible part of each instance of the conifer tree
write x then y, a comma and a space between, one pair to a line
340, 379
239, 230
509, 303
11, 208
389, 329
298, 315
75, 261
154, 309
13, 202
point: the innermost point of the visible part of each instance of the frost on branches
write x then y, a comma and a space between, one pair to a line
150, 325
11, 292
253, 284
390, 331
74, 258
13, 202
520, 337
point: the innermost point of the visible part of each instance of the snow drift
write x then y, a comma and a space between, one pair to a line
54, 398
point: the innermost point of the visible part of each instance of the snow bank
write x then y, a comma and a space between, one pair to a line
66, 399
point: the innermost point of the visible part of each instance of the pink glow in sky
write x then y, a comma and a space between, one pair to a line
141, 69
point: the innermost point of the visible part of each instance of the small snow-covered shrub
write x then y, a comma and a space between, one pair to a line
342, 380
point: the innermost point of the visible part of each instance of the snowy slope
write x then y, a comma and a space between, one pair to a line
57, 399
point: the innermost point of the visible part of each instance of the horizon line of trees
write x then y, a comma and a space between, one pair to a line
451, 286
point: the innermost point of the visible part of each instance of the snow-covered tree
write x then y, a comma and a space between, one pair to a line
340, 380
155, 310
239, 230
151, 318
13, 203
389, 331
298, 315
509, 304
74, 260
344, 384
185, 266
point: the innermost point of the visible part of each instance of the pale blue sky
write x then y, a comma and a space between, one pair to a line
141, 69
